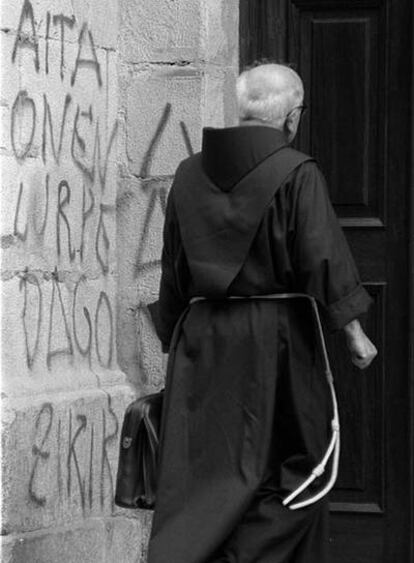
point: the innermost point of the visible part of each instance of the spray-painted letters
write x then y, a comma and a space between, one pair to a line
63, 131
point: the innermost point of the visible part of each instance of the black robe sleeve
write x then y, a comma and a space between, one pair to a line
171, 303
320, 254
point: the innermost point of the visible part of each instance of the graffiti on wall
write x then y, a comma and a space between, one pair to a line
62, 221
156, 190
31, 117
70, 458
40, 313
64, 213
61, 189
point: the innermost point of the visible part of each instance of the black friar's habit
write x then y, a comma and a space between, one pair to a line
247, 408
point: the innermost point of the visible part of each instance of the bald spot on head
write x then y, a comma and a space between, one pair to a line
268, 93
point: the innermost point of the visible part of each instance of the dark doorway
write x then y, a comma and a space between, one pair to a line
355, 58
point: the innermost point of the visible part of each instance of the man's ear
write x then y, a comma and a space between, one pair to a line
289, 126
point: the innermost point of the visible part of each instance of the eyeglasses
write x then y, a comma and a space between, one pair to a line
303, 108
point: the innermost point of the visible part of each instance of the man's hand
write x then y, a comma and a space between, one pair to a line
362, 349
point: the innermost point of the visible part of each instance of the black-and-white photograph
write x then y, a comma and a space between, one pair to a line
207, 281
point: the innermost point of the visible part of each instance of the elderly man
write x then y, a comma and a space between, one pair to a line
247, 408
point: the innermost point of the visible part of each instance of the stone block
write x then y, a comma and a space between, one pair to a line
160, 30
9, 90
127, 537
58, 76
72, 130
58, 333
10, 182
52, 219
163, 120
63, 187
11, 12
220, 104
60, 455
221, 33
20, 115
100, 17
80, 544
140, 219
123, 538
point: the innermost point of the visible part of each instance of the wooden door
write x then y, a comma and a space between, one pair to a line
355, 59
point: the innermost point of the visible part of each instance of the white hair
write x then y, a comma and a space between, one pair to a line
268, 93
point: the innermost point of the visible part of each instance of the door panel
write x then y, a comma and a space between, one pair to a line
359, 486
342, 63
354, 57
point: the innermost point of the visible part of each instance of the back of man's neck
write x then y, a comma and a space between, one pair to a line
256, 122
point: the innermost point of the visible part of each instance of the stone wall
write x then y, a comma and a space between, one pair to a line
178, 61
99, 102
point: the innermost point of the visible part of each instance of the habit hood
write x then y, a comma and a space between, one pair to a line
220, 197
230, 154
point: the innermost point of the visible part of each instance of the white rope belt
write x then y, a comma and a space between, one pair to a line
334, 444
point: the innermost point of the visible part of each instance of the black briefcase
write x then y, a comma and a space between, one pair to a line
136, 481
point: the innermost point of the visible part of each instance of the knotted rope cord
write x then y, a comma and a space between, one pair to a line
334, 444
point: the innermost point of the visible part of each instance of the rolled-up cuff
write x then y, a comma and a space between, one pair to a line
348, 308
